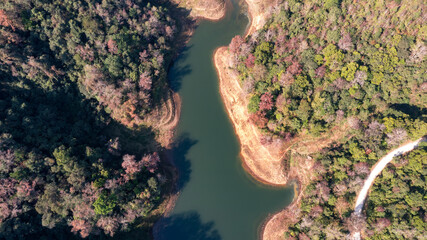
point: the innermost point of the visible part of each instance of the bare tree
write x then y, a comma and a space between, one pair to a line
397, 136
356, 222
345, 42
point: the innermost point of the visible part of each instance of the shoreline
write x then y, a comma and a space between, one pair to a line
199, 13
175, 107
252, 151
268, 229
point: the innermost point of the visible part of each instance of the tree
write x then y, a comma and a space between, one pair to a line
330, 4
345, 43
266, 102
114, 65
5, 21
151, 162
64, 158
397, 136
109, 224
235, 44
105, 204
294, 68
349, 70
112, 46
130, 165
259, 119
253, 105
250, 61
263, 52
82, 226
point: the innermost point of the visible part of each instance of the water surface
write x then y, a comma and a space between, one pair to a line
218, 200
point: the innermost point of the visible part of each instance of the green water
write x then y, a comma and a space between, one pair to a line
218, 200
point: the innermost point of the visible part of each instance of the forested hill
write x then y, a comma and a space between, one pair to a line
74, 75
322, 65
396, 207
318, 62
116, 50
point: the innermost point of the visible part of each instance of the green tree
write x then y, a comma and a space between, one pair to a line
263, 52
253, 105
105, 203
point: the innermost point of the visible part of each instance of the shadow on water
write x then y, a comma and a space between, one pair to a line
180, 149
177, 73
188, 226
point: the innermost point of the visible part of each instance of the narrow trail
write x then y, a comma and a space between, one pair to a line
379, 166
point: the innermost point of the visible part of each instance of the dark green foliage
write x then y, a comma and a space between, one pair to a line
71, 73
122, 46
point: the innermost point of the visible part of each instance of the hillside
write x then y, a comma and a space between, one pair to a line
85, 112
333, 85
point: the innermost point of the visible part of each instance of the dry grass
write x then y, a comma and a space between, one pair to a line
165, 118
208, 9
259, 11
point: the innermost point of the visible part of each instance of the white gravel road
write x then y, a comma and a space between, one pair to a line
379, 166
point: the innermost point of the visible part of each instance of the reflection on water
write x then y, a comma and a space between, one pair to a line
189, 226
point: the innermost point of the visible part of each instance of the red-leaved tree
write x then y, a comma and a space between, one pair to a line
259, 119
266, 102
250, 61
235, 44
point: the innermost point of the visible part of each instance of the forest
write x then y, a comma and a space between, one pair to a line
77, 78
396, 204
322, 65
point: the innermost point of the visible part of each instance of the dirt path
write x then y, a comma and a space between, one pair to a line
379, 166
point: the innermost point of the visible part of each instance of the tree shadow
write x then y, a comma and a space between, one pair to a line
179, 152
186, 27
411, 110
177, 73
185, 226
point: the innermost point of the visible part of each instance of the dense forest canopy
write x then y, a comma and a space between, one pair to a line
117, 51
319, 65
316, 63
396, 204
73, 76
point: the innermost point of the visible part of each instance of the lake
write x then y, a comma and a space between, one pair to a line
218, 199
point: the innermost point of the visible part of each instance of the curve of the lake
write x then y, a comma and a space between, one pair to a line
217, 200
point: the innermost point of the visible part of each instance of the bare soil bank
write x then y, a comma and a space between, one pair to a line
165, 118
259, 11
264, 162
212, 10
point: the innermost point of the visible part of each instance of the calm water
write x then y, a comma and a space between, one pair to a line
218, 199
